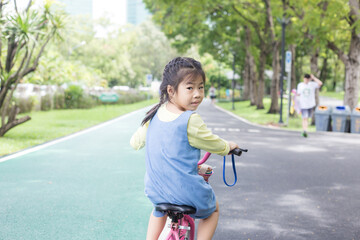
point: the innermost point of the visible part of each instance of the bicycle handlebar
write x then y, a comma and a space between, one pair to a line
236, 151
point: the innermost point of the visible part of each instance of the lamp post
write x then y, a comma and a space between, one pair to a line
284, 22
218, 86
233, 83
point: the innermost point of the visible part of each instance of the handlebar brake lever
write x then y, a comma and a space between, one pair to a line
238, 151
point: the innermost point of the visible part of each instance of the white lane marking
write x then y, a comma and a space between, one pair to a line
225, 129
253, 130
233, 129
62, 139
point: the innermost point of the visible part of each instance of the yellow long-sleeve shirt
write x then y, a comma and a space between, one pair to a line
199, 135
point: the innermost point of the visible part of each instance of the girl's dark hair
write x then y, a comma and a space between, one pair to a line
174, 73
307, 75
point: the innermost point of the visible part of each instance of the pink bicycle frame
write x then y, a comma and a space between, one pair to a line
178, 230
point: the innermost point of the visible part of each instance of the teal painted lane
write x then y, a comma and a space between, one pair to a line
87, 187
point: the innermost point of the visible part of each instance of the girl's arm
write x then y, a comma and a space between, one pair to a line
201, 137
138, 139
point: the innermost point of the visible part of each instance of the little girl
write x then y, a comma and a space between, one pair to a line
174, 135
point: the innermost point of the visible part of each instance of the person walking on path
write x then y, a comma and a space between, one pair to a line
212, 94
174, 134
306, 91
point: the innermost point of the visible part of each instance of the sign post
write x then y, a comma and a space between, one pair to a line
288, 70
109, 97
148, 83
148, 79
283, 22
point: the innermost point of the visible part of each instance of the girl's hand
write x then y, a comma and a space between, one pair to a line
233, 145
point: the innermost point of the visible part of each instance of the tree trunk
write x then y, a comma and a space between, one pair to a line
352, 67
315, 71
274, 107
335, 75
253, 81
12, 121
314, 62
323, 72
261, 86
314, 66
247, 87
250, 69
270, 30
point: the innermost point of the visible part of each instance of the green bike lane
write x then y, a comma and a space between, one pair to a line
89, 186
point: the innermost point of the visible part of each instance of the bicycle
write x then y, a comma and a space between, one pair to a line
182, 226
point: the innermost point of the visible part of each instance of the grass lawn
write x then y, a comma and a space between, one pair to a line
250, 113
46, 126
336, 95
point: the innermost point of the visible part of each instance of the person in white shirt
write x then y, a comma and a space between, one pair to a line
306, 91
212, 94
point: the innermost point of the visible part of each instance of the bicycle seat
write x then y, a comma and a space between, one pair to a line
167, 207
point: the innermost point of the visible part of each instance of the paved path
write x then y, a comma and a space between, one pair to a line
91, 186
289, 187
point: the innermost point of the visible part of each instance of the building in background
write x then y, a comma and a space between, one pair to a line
79, 7
136, 12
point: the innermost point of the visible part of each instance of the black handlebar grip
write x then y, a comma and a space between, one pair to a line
238, 151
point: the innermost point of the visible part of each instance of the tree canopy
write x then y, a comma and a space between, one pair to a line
222, 27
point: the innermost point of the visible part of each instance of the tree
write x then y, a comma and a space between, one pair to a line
24, 35
211, 25
250, 68
151, 52
126, 54
334, 25
351, 60
217, 26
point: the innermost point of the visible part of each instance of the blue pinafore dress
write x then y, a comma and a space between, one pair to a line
171, 168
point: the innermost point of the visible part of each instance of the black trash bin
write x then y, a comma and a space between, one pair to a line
340, 119
322, 118
355, 120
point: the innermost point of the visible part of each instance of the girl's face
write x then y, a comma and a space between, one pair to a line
188, 96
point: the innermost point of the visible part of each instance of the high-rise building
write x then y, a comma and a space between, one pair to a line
79, 7
136, 12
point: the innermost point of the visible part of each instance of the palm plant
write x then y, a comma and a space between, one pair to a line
24, 36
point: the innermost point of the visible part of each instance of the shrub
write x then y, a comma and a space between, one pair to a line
46, 102
87, 101
59, 100
73, 94
25, 104
126, 98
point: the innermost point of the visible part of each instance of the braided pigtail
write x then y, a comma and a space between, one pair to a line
174, 72
150, 114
